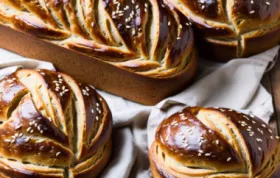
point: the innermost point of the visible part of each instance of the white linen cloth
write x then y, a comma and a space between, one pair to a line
235, 85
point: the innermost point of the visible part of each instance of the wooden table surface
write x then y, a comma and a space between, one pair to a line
271, 82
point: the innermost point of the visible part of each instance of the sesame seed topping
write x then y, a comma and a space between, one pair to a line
7, 140
217, 142
28, 129
27, 139
18, 127
259, 140
228, 159
57, 154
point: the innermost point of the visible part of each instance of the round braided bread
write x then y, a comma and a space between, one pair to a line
52, 127
214, 143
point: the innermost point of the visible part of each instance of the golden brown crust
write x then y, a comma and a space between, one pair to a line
214, 142
112, 31
52, 125
221, 22
154, 56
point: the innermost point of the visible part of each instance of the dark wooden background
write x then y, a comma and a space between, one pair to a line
271, 82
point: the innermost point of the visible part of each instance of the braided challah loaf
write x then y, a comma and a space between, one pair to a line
142, 36
214, 143
52, 127
142, 50
233, 28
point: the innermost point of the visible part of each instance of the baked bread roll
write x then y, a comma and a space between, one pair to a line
234, 28
141, 36
212, 143
52, 127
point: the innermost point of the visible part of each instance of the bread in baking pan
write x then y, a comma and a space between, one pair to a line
143, 37
212, 143
233, 28
52, 127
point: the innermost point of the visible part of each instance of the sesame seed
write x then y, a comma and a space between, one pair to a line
28, 129
259, 148
27, 139
18, 127
57, 154
7, 140
259, 140
228, 159
246, 117
217, 142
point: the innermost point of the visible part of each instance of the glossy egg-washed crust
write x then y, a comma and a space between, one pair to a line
52, 127
214, 143
233, 28
141, 36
